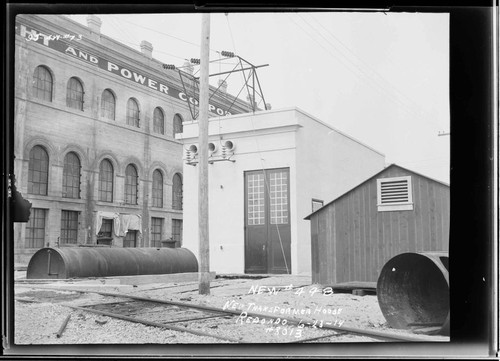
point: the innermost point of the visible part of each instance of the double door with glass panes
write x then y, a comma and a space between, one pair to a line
267, 221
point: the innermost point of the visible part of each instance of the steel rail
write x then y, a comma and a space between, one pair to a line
26, 301
164, 325
196, 318
144, 322
174, 321
180, 285
155, 324
370, 333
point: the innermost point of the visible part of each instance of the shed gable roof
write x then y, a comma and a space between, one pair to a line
386, 169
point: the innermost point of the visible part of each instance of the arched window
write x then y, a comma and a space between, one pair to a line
157, 189
71, 176
108, 104
177, 124
106, 181
42, 83
177, 192
38, 171
131, 185
74, 94
132, 112
158, 121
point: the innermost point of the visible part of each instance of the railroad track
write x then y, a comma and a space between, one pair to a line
227, 325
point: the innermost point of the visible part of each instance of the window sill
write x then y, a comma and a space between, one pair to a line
74, 110
395, 207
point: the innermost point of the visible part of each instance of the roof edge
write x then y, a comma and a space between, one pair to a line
299, 110
307, 218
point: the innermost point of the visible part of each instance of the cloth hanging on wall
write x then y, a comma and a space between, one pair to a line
130, 222
107, 215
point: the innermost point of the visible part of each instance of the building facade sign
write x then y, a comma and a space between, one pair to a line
68, 47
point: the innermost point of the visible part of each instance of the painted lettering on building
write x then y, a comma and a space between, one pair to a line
56, 42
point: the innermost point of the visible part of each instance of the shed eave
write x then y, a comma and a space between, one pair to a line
308, 218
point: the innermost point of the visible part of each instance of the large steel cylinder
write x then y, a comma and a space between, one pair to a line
75, 262
413, 291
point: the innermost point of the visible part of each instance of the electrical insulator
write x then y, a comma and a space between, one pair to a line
189, 157
227, 149
169, 66
228, 54
195, 61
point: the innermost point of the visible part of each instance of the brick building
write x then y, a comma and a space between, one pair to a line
95, 148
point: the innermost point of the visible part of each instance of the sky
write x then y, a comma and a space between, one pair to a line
382, 78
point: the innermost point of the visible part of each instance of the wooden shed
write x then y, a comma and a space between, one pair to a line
395, 211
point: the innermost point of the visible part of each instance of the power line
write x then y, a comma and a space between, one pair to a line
430, 161
363, 62
138, 45
134, 44
162, 33
233, 42
333, 54
356, 66
117, 25
349, 65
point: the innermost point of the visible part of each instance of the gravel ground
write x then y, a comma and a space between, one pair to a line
38, 323
87, 328
350, 310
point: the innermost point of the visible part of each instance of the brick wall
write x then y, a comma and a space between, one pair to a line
60, 129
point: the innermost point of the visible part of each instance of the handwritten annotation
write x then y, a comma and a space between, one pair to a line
274, 290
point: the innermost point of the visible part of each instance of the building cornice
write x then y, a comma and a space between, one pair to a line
135, 59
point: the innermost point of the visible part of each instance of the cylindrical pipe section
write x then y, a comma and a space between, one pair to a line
75, 262
413, 290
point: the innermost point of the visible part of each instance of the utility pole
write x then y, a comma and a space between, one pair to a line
203, 239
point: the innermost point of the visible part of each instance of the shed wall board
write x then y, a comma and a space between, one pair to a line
365, 239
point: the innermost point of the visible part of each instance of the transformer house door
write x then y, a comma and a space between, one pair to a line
267, 221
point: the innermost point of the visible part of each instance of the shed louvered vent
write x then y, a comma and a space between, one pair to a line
394, 194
